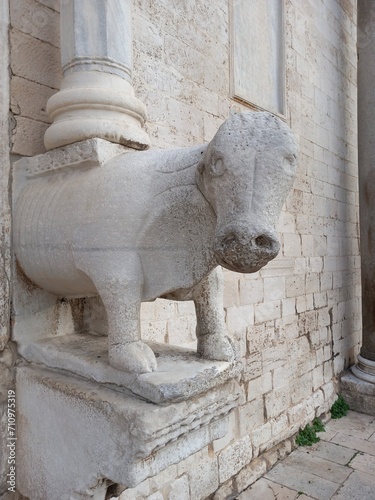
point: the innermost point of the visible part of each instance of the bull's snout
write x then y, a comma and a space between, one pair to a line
244, 252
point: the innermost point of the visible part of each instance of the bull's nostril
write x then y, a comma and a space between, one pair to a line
262, 241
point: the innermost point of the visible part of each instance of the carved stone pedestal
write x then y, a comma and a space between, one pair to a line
180, 375
78, 439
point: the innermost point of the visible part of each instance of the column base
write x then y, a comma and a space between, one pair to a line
91, 104
364, 369
358, 386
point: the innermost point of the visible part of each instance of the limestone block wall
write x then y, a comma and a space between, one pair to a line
35, 70
304, 306
296, 323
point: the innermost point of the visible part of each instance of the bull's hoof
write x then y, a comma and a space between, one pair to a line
217, 349
136, 357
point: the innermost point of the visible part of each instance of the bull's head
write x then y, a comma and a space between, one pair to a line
246, 173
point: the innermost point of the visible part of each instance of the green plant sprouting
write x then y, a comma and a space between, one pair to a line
339, 408
307, 436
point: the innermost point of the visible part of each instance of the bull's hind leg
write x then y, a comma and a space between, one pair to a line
118, 278
213, 343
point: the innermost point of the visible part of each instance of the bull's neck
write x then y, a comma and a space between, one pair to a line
179, 167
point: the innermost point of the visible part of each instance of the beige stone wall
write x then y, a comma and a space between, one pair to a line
35, 70
297, 322
305, 304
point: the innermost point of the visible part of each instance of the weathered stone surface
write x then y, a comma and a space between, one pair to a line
163, 222
52, 4
180, 374
354, 443
358, 425
140, 491
333, 452
30, 108
34, 60
307, 482
268, 490
93, 152
359, 393
234, 457
114, 436
204, 479
27, 136
34, 19
225, 491
359, 486
364, 462
179, 489
250, 473
307, 462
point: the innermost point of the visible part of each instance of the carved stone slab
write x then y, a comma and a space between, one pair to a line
180, 375
90, 153
102, 436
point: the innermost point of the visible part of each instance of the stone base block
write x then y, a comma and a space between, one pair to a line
359, 394
78, 439
180, 375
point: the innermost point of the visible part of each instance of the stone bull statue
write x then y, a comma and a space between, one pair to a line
157, 224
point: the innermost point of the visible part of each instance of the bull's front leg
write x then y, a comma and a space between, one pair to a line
118, 279
213, 342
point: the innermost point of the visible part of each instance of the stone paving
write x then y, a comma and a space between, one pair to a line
341, 466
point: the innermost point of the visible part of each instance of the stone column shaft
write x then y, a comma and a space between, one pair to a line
97, 36
366, 165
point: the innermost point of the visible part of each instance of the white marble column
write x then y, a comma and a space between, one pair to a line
96, 97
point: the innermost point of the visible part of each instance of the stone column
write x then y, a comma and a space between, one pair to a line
366, 164
360, 389
96, 97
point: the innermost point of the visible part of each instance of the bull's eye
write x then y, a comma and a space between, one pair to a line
217, 167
